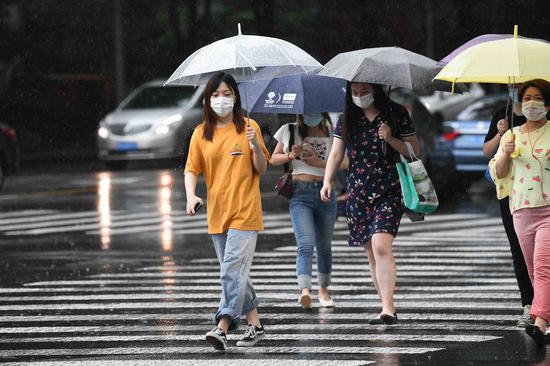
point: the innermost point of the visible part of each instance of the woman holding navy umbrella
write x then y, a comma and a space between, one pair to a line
312, 219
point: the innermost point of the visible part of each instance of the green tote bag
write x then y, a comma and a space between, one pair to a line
418, 191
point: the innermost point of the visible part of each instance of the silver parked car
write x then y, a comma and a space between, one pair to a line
151, 123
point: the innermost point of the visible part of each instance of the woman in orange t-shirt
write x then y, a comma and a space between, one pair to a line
231, 154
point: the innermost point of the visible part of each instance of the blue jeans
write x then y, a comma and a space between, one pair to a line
313, 224
235, 251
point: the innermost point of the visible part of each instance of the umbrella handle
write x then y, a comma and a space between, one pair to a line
245, 94
388, 113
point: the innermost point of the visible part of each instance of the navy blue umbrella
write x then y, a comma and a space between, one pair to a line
295, 94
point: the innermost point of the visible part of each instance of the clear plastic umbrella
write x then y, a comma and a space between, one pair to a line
245, 57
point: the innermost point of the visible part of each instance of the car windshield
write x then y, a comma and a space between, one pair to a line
482, 110
161, 97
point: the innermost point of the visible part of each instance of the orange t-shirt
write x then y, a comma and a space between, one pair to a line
234, 200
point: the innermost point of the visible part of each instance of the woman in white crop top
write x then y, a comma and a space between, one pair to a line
312, 219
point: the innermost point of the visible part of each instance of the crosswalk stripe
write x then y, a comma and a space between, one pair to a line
359, 258
291, 251
125, 222
214, 304
260, 281
191, 288
325, 316
202, 350
54, 218
166, 270
261, 295
327, 337
451, 289
24, 213
179, 228
196, 362
65, 221
282, 273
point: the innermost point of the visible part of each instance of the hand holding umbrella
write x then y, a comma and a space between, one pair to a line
253, 139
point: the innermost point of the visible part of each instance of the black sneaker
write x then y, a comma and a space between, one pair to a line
217, 339
252, 336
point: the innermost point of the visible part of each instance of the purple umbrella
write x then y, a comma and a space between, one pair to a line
472, 42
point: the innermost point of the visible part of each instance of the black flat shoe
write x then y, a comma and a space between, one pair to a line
538, 336
384, 319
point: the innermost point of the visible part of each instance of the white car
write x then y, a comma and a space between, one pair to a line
151, 123
445, 106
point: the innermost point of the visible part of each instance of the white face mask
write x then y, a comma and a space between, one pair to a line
533, 110
363, 101
222, 106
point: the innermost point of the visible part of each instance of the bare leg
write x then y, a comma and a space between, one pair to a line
541, 323
323, 293
252, 317
372, 265
385, 270
224, 323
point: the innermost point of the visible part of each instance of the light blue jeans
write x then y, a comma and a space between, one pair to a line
235, 251
313, 223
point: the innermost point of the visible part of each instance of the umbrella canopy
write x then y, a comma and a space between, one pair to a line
265, 57
503, 61
393, 66
472, 42
295, 94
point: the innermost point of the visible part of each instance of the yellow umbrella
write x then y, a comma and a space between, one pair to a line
504, 61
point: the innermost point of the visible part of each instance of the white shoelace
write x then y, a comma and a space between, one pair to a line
218, 331
250, 332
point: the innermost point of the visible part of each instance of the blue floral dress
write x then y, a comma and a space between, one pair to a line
374, 202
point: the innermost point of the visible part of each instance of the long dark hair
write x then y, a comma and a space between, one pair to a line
210, 115
352, 113
302, 128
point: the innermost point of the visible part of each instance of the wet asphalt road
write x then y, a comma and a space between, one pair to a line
102, 268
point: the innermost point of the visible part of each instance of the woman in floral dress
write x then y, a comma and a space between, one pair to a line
373, 142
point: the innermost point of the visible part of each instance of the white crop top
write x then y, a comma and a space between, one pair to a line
321, 145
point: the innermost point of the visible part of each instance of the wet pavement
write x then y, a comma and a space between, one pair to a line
105, 268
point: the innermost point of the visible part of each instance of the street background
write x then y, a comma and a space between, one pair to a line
64, 65
101, 266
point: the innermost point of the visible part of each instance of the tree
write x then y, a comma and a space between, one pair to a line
186, 39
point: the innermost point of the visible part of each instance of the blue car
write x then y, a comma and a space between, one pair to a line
458, 149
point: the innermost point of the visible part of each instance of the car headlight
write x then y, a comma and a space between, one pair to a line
102, 131
168, 124
162, 130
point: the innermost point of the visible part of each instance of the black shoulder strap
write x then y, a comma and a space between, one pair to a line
288, 166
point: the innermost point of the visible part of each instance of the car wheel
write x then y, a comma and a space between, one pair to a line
116, 165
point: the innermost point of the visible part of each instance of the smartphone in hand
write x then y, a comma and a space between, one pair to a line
197, 207
307, 150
